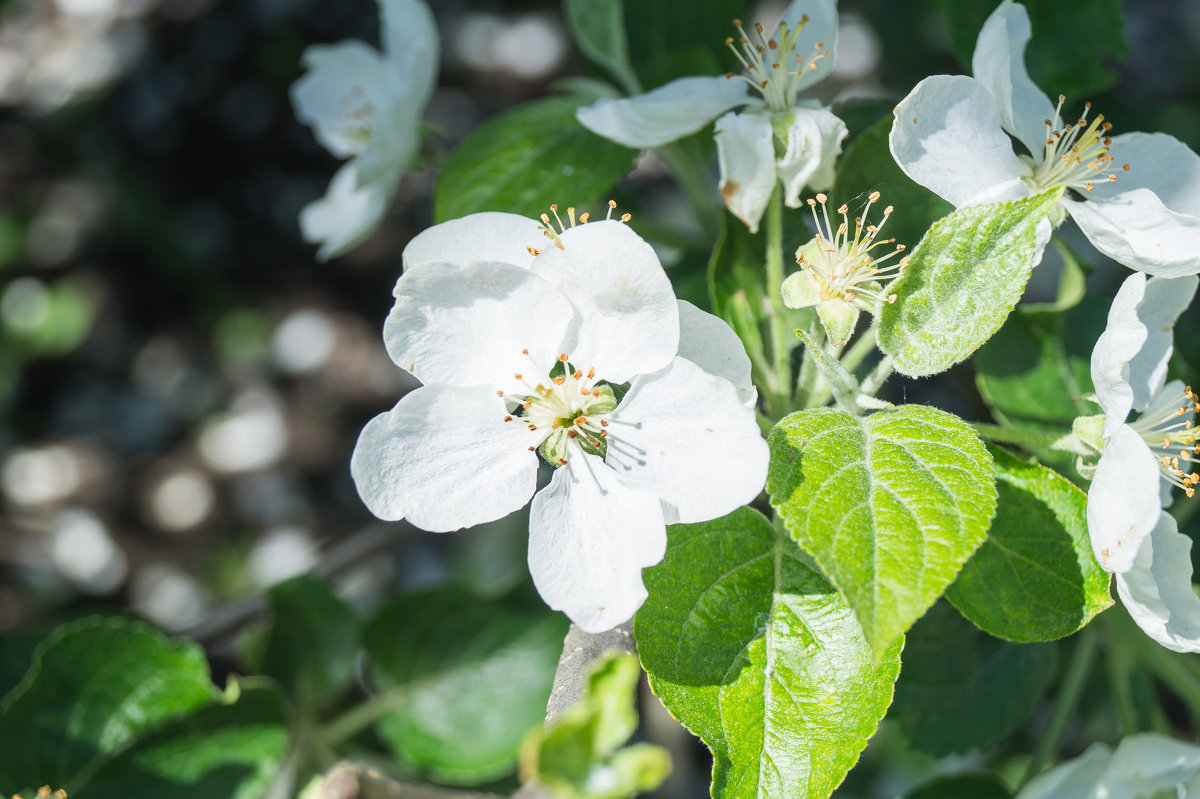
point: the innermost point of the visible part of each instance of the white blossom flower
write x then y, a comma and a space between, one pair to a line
366, 106
839, 275
1146, 764
579, 353
1143, 460
776, 137
1135, 196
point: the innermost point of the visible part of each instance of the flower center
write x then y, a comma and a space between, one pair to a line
773, 66
843, 266
552, 230
356, 119
1076, 156
568, 407
1167, 425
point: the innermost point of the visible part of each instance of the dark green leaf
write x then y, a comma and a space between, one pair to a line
1035, 577
598, 27
95, 687
527, 159
961, 689
467, 678
890, 505
961, 786
671, 39
759, 656
962, 281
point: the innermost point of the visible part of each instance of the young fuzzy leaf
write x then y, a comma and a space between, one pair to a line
526, 159
1035, 577
962, 281
95, 687
962, 689
468, 679
580, 756
890, 505
753, 650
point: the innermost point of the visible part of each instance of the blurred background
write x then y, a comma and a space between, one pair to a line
181, 383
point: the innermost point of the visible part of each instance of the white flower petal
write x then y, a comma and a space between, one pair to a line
1157, 591
1148, 764
488, 236
410, 41
1122, 339
746, 157
1158, 162
466, 325
1123, 504
708, 342
948, 138
999, 64
814, 142
1136, 230
628, 319
670, 112
1074, 779
347, 214
590, 536
444, 458
344, 83
1164, 301
822, 27
687, 436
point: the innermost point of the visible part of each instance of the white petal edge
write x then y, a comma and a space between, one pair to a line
687, 436
1122, 339
814, 143
590, 536
1074, 779
444, 458
746, 158
468, 325
340, 79
670, 112
1136, 230
1160, 308
410, 42
1145, 764
487, 236
947, 137
999, 64
627, 318
822, 27
1123, 500
1158, 592
708, 342
347, 214
1158, 162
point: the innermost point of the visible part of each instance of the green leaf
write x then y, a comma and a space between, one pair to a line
1035, 577
670, 39
95, 687
598, 27
580, 758
890, 505
1072, 283
311, 643
466, 677
750, 647
962, 689
961, 786
866, 166
220, 751
1034, 372
962, 281
1077, 72
527, 159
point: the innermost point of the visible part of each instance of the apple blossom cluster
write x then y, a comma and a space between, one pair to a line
578, 356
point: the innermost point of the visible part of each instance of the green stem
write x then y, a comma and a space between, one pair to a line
863, 346
1169, 667
1120, 680
1030, 438
362, 715
695, 181
878, 376
1068, 698
781, 337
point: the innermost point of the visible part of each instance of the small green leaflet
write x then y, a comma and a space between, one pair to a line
890, 505
598, 28
748, 646
1035, 577
580, 756
962, 281
467, 678
526, 159
961, 689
